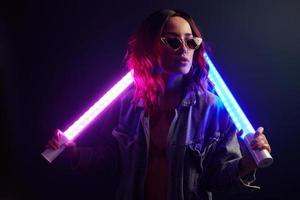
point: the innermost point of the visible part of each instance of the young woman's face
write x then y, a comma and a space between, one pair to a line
178, 61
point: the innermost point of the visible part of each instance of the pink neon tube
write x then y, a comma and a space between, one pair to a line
262, 158
98, 107
75, 129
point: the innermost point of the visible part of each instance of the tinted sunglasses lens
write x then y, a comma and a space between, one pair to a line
193, 43
174, 43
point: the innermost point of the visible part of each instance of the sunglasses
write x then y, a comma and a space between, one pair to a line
175, 43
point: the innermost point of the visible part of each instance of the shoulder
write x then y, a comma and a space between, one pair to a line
127, 96
129, 115
128, 109
217, 109
127, 99
209, 99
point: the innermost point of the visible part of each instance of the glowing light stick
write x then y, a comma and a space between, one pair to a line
73, 131
262, 158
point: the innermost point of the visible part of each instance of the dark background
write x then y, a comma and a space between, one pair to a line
57, 57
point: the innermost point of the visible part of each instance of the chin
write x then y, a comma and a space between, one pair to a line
184, 69
179, 69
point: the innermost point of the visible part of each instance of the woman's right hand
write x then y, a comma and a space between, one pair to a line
53, 143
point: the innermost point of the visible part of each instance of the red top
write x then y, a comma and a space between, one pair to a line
156, 184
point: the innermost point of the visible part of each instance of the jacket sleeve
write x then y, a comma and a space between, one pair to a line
221, 172
101, 158
99, 151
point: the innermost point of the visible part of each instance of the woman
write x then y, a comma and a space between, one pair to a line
175, 139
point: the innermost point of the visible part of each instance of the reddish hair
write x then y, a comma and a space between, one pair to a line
141, 57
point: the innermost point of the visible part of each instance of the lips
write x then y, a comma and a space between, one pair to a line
183, 59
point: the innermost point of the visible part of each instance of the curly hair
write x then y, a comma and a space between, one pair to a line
142, 58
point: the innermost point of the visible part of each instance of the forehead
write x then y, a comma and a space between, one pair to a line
177, 25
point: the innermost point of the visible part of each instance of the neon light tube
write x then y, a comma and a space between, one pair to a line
79, 125
262, 158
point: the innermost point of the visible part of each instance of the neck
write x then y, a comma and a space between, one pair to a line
173, 83
173, 91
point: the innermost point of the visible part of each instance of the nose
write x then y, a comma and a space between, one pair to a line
183, 50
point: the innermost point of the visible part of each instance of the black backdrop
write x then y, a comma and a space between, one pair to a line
57, 57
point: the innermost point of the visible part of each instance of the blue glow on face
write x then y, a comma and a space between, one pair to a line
239, 118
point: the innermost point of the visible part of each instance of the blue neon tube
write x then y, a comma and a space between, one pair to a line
262, 158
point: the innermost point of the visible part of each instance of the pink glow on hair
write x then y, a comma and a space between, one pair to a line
143, 59
148, 85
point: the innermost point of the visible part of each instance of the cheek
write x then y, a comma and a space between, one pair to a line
156, 55
191, 55
166, 58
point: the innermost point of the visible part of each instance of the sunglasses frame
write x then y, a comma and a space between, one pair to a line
182, 42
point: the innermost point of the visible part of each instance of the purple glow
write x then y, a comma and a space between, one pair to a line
262, 158
98, 107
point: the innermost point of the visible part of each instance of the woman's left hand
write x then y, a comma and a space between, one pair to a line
259, 142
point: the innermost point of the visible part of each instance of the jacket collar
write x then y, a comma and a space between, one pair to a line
188, 100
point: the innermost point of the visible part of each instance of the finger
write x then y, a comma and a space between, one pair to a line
70, 144
239, 133
59, 131
259, 131
261, 146
53, 144
58, 134
269, 148
261, 139
265, 146
55, 140
256, 146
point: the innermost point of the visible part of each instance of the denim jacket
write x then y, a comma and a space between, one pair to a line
202, 149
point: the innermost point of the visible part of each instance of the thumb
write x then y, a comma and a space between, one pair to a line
58, 133
259, 130
240, 133
70, 144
